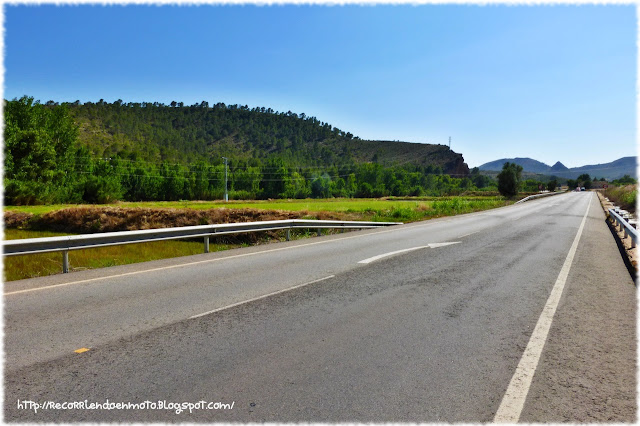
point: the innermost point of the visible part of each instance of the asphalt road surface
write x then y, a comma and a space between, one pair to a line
524, 313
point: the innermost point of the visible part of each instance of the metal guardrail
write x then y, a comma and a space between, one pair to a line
78, 242
624, 226
532, 197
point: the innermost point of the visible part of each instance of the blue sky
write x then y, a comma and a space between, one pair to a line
554, 83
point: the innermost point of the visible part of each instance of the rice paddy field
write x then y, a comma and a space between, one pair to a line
51, 220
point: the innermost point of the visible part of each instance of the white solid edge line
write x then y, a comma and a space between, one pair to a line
259, 297
391, 253
516, 394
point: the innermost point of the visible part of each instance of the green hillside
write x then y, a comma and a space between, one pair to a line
101, 152
156, 132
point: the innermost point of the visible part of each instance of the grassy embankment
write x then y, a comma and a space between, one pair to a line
43, 221
623, 196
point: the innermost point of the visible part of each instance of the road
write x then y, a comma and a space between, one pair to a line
437, 321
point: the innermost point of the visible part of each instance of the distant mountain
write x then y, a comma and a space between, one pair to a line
559, 167
613, 170
527, 164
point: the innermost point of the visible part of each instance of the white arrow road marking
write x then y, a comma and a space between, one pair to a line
436, 245
391, 253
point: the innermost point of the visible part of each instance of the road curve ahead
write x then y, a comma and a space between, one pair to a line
524, 313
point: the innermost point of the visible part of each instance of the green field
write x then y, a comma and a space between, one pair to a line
338, 204
421, 207
26, 266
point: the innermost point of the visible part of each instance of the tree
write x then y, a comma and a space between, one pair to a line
551, 186
531, 185
509, 179
39, 142
480, 181
320, 187
625, 180
585, 179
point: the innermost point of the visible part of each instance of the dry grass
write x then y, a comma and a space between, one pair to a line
623, 196
37, 265
85, 219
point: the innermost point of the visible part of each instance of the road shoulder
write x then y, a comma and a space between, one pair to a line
587, 371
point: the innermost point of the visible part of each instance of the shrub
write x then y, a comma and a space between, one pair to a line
623, 196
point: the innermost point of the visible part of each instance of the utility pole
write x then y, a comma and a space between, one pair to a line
449, 142
226, 195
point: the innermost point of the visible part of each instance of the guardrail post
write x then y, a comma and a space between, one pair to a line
65, 261
65, 244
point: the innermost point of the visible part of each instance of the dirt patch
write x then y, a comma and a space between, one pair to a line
84, 220
17, 219
89, 220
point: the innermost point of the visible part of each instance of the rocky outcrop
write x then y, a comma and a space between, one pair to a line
456, 167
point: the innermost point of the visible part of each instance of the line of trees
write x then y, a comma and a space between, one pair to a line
45, 163
510, 181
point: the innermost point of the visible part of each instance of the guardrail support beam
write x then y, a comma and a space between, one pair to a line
629, 231
76, 242
65, 261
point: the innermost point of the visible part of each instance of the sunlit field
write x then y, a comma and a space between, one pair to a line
26, 266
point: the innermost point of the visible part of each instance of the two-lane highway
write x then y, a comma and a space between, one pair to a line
420, 322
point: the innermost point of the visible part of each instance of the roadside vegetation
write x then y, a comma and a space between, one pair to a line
624, 196
102, 153
132, 216
511, 184
77, 168
20, 222
37, 265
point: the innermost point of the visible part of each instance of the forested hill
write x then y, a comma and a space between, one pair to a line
98, 153
156, 132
